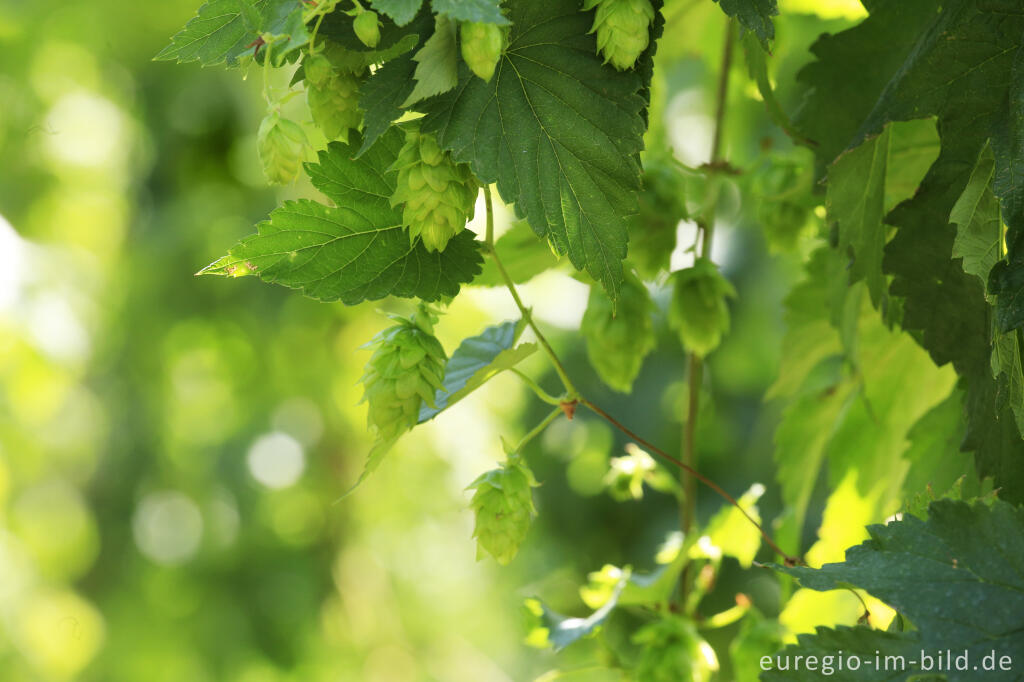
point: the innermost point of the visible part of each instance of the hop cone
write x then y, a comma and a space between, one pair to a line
652, 235
482, 45
280, 143
623, 29
673, 651
332, 95
619, 335
367, 28
405, 371
503, 504
781, 214
698, 311
438, 193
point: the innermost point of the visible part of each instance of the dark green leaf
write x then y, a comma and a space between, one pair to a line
437, 68
358, 250
957, 577
563, 151
754, 15
476, 360
976, 216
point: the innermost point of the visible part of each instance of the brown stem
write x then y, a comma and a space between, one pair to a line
789, 560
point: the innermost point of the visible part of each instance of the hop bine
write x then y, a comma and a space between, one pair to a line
438, 194
405, 371
623, 29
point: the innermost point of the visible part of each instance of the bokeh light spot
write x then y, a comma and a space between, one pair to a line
168, 527
276, 460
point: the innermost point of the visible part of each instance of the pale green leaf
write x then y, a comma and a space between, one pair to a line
437, 66
477, 360
978, 224
400, 11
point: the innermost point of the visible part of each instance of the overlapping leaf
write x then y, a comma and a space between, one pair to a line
357, 250
754, 15
956, 577
476, 360
224, 29
557, 131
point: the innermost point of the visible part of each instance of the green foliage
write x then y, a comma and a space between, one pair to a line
436, 63
281, 144
754, 15
623, 29
477, 360
662, 204
673, 650
223, 30
911, 565
367, 28
619, 334
436, 194
699, 312
406, 370
326, 251
481, 45
503, 506
564, 153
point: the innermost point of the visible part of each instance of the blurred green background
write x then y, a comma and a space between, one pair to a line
172, 448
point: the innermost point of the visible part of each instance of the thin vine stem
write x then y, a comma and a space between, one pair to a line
573, 396
790, 560
539, 429
695, 369
523, 310
535, 387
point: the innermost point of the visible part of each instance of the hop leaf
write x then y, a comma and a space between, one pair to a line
623, 29
482, 45
405, 371
332, 95
438, 193
698, 311
619, 335
503, 505
367, 28
673, 650
280, 143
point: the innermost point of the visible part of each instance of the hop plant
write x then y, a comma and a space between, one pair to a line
698, 310
623, 29
672, 651
662, 204
405, 371
281, 143
780, 211
503, 505
367, 27
438, 193
482, 45
332, 96
619, 335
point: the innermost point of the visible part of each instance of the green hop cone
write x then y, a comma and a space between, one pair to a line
619, 335
780, 211
367, 28
405, 371
281, 144
332, 95
482, 45
672, 651
503, 505
698, 310
623, 29
662, 204
438, 194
